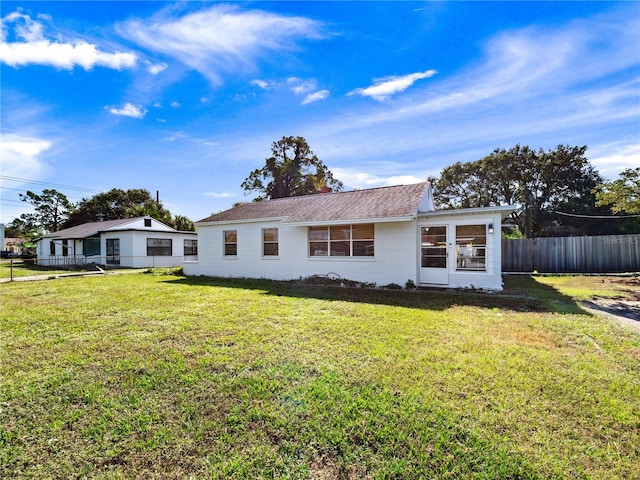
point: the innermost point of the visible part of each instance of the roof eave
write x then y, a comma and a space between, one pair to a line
504, 210
350, 221
239, 221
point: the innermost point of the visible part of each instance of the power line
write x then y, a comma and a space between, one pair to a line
37, 182
599, 217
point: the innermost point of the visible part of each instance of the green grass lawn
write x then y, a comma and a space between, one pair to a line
161, 376
25, 268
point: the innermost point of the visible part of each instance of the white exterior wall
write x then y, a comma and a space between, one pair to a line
133, 250
394, 260
491, 278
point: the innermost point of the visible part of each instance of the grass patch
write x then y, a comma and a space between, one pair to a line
143, 376
25, 268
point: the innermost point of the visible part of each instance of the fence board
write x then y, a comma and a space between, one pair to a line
598, 254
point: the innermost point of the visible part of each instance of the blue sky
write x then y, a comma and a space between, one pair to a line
186, 98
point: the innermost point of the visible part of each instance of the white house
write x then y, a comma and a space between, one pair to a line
131, 242
380, 235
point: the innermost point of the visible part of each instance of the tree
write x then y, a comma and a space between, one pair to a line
292, 170
184, 224
538, 183
116, 204
622, 195
52, 209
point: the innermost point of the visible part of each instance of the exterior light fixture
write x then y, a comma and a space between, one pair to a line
491, 228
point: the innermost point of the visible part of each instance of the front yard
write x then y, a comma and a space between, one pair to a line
161, 376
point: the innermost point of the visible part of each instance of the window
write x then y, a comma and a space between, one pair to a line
91, 247
230, 243
113, 251
159, 247
65, 248
147, 222
191, 247
52, 248
270, 242
342, 241
471, 247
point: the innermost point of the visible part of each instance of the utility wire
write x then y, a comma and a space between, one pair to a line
37, 182
599, 217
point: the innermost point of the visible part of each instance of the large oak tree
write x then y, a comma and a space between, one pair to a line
539, 183
291, 170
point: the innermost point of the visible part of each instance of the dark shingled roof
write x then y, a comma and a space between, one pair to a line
375, 203
88, 229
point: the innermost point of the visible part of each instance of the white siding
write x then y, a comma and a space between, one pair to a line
396, 257
394, 260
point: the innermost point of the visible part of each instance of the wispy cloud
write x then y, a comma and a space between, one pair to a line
129, 110
263, 84
156, 68
359, 179
385, 87
611, 159
31, 47
308, 88
316, 96
221, 39
219, 194
21, 155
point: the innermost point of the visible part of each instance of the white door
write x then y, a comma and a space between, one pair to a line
433, 255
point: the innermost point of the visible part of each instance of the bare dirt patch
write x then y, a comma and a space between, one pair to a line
626, 304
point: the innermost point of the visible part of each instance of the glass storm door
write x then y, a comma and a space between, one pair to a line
433, 255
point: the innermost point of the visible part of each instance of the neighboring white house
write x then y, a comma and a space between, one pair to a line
131, 242
380, 235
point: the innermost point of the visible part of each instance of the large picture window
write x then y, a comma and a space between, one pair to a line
270, 242
230, 243
471, 247
342, 241
190, 247
159, 247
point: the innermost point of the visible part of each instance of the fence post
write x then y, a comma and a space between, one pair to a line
11, 270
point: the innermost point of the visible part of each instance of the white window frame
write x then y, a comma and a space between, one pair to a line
333, 242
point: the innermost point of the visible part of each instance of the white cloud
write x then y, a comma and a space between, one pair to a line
20, 155
314, 97
156, 68
301, 87
129, 110
219, 195
221, 39
260, 84
175, 104
610, 160
358, 179
35, 48
383, 88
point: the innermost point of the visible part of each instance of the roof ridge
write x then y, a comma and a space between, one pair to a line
347, 191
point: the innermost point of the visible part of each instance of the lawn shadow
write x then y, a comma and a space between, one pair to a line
523, 294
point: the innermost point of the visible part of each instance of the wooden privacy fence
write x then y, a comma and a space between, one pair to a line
599, 254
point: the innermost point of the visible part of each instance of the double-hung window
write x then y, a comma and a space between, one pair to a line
270, 242
342, 241
471, 247
230, 243
190, 247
